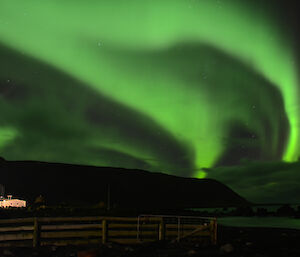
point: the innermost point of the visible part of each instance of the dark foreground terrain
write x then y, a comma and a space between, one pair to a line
247, 242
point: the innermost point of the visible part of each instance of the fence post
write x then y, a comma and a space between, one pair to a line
178, 232
213, 231
162, 230
36, 232
104, 231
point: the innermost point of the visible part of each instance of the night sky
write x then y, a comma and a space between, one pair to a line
196, 88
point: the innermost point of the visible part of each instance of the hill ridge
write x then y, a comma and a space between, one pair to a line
85, 184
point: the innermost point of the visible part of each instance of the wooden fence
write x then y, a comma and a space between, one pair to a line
94, 230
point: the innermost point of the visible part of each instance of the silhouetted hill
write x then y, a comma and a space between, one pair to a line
77, 184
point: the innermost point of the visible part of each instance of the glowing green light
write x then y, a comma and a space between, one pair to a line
119, 49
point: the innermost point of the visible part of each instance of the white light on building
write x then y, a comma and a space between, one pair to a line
11, 202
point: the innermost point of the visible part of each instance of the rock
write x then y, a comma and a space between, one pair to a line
128, 249
88, 253
109, 245
7, 252
259, 255
191, 252
227, 248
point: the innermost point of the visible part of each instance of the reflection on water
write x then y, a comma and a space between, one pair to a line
272, 222
272, 216
268, 208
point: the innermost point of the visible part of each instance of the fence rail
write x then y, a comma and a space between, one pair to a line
126, 230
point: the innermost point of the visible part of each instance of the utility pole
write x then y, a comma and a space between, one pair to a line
108, 197
2, 191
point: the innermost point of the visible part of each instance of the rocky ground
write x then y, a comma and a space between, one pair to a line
239, 242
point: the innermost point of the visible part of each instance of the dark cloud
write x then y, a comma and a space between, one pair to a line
241, 143
11, 91
273, 182
118, 159
140, 131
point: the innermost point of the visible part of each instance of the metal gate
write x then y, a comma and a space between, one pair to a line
176, 228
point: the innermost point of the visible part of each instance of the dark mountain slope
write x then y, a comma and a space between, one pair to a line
76, 184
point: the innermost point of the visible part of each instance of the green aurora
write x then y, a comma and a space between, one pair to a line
171, 86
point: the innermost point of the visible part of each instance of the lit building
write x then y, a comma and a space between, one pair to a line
10, 202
